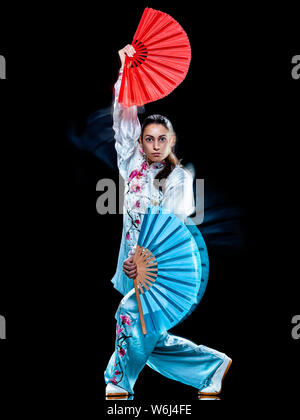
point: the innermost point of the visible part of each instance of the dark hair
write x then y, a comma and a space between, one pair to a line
171, 160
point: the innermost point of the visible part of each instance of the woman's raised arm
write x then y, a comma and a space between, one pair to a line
126, 124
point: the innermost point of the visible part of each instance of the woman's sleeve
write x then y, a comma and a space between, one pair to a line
179, 195
127, 130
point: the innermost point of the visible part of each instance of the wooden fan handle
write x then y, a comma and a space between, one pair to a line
142, 319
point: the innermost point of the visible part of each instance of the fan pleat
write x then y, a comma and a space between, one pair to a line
143, 228
134, 92
174, 247
154, 84
165, 76
173, 291
130, 92
173, 57
160, 231
178, 307
186, 283
160, 74
156, 19
192, 270
168, 260
167, 57
171, 48
143, 88
152, 34
151, 318
150, 60
175, 304
155, 236
168, 315
150, 230
154, 248
169, 37
145, 27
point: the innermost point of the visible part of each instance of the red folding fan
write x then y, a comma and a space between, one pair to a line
161, 61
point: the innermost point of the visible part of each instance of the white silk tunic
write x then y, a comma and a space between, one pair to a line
140, 192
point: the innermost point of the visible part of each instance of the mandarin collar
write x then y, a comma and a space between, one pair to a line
156, 165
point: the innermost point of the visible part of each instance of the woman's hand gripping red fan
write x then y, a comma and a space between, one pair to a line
128, 50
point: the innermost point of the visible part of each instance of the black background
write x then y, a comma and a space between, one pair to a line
237, 119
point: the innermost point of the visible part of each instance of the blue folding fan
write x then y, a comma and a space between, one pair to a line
171, 274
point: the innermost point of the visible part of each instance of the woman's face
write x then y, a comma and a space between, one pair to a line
157, 142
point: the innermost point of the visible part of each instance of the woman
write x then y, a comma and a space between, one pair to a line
152, 175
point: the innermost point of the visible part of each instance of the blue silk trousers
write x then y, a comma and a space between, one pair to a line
174, 357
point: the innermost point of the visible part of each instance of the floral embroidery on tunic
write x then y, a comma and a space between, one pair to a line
136, 193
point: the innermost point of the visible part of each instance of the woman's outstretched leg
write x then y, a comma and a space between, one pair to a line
182, 360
